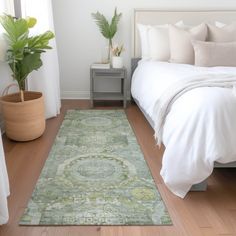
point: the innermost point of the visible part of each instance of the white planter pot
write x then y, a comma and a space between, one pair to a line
117, 62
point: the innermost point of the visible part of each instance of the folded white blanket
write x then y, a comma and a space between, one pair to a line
164, 104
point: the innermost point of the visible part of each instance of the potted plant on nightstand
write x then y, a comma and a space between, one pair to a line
108, 30
23, 112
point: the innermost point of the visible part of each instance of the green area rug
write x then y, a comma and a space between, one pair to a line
95, 175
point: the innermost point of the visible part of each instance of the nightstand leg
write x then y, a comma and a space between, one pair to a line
91, 88
124, 91
122, 86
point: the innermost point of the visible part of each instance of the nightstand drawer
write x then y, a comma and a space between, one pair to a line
107, 74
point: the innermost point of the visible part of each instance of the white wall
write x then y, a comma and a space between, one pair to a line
80, 42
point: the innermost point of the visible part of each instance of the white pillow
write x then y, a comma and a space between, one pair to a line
226, 33
214, 54
182, 25
143, 29
181, 48
158, 40
189, 26
151, 37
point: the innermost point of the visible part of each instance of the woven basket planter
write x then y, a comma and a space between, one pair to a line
24, 121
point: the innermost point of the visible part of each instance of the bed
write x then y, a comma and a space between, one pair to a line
191, 153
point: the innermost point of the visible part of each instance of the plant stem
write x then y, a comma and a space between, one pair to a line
110, 43
22, 95
109, 50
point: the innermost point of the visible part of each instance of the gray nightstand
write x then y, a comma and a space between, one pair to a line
96, 74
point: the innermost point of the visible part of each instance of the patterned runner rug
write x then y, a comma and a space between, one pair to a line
95, 175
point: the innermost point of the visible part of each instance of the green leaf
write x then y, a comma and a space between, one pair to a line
114, 23
102, 24
15, 29
30, 63
31, 22
106, 29
41, 41
19, 45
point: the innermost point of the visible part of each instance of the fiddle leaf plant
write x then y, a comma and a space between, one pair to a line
108, 30
24, 51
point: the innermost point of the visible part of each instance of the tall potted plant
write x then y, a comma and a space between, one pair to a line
23, 112
108, 30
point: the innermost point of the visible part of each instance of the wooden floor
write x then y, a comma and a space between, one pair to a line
201, 213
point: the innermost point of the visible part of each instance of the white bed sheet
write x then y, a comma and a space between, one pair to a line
200, 128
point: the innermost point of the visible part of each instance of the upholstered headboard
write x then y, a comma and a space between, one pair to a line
190, 17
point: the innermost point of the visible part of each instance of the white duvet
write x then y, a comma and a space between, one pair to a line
200, 127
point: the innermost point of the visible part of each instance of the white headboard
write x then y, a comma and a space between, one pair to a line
191, 17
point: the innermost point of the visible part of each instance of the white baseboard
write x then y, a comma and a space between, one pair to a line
75, 94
